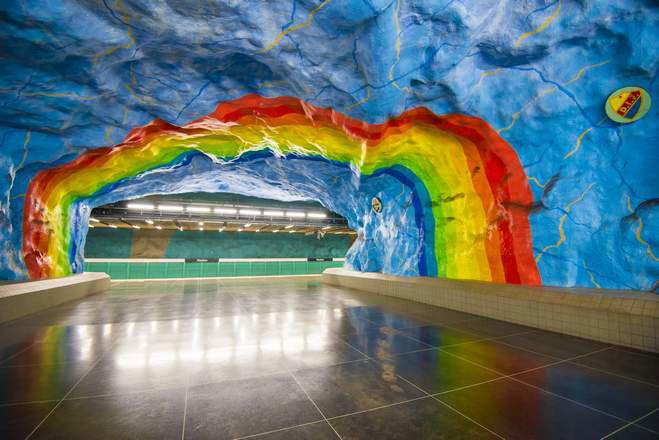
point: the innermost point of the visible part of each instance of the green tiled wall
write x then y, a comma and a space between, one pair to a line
140, 270
117, 243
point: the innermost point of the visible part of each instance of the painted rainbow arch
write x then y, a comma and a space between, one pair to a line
482, 234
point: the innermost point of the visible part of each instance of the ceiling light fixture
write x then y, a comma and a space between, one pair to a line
149, 221
197, 209
316, 215
91, 226
273, 213
201, 228
201, 223
239, 229
290, 232
221, 229
92, 219
276, 230
289, 226
247, 225
135, 226
140, 206
225, 210
158, 227
113, 226
250, 212
295, 214
171, 208
326, 227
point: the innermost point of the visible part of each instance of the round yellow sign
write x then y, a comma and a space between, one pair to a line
628, 104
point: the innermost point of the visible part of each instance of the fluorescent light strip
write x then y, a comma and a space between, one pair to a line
140, 206
113, 226
289, 226
171, 208
91, 226
158, 227
225, 210
149, 221
197, 209
326, 227
316, 215
135, 227
250, 212
247, 225
276, 230
273, 213
92, 219
295, 214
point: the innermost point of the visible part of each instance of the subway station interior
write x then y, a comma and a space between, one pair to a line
329, 219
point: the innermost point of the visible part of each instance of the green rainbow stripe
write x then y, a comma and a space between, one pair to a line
473, 185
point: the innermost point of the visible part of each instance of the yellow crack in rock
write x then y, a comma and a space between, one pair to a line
398, 45
143, 100
486, 74
578, 144
526, 35
583, 70
361, 101
537, 182
518, 113
592, 279
561, 231
60, 95
540, 28
639, 229
368, 91
131, 39
28, 135
283, 33
398, 31
580, 73
108, 134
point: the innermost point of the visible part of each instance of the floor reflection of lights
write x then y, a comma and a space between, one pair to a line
246, 340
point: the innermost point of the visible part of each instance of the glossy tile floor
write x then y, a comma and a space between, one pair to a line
203, 359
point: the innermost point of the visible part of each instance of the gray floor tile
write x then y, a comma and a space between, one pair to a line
420, 419
356, 386
244, 407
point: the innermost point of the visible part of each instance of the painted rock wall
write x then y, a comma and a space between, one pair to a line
479, 124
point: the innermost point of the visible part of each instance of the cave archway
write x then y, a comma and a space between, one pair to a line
455, 197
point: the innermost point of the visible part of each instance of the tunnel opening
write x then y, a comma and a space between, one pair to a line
205, 235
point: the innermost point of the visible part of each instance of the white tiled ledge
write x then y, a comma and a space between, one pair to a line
628, 318
20, 299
